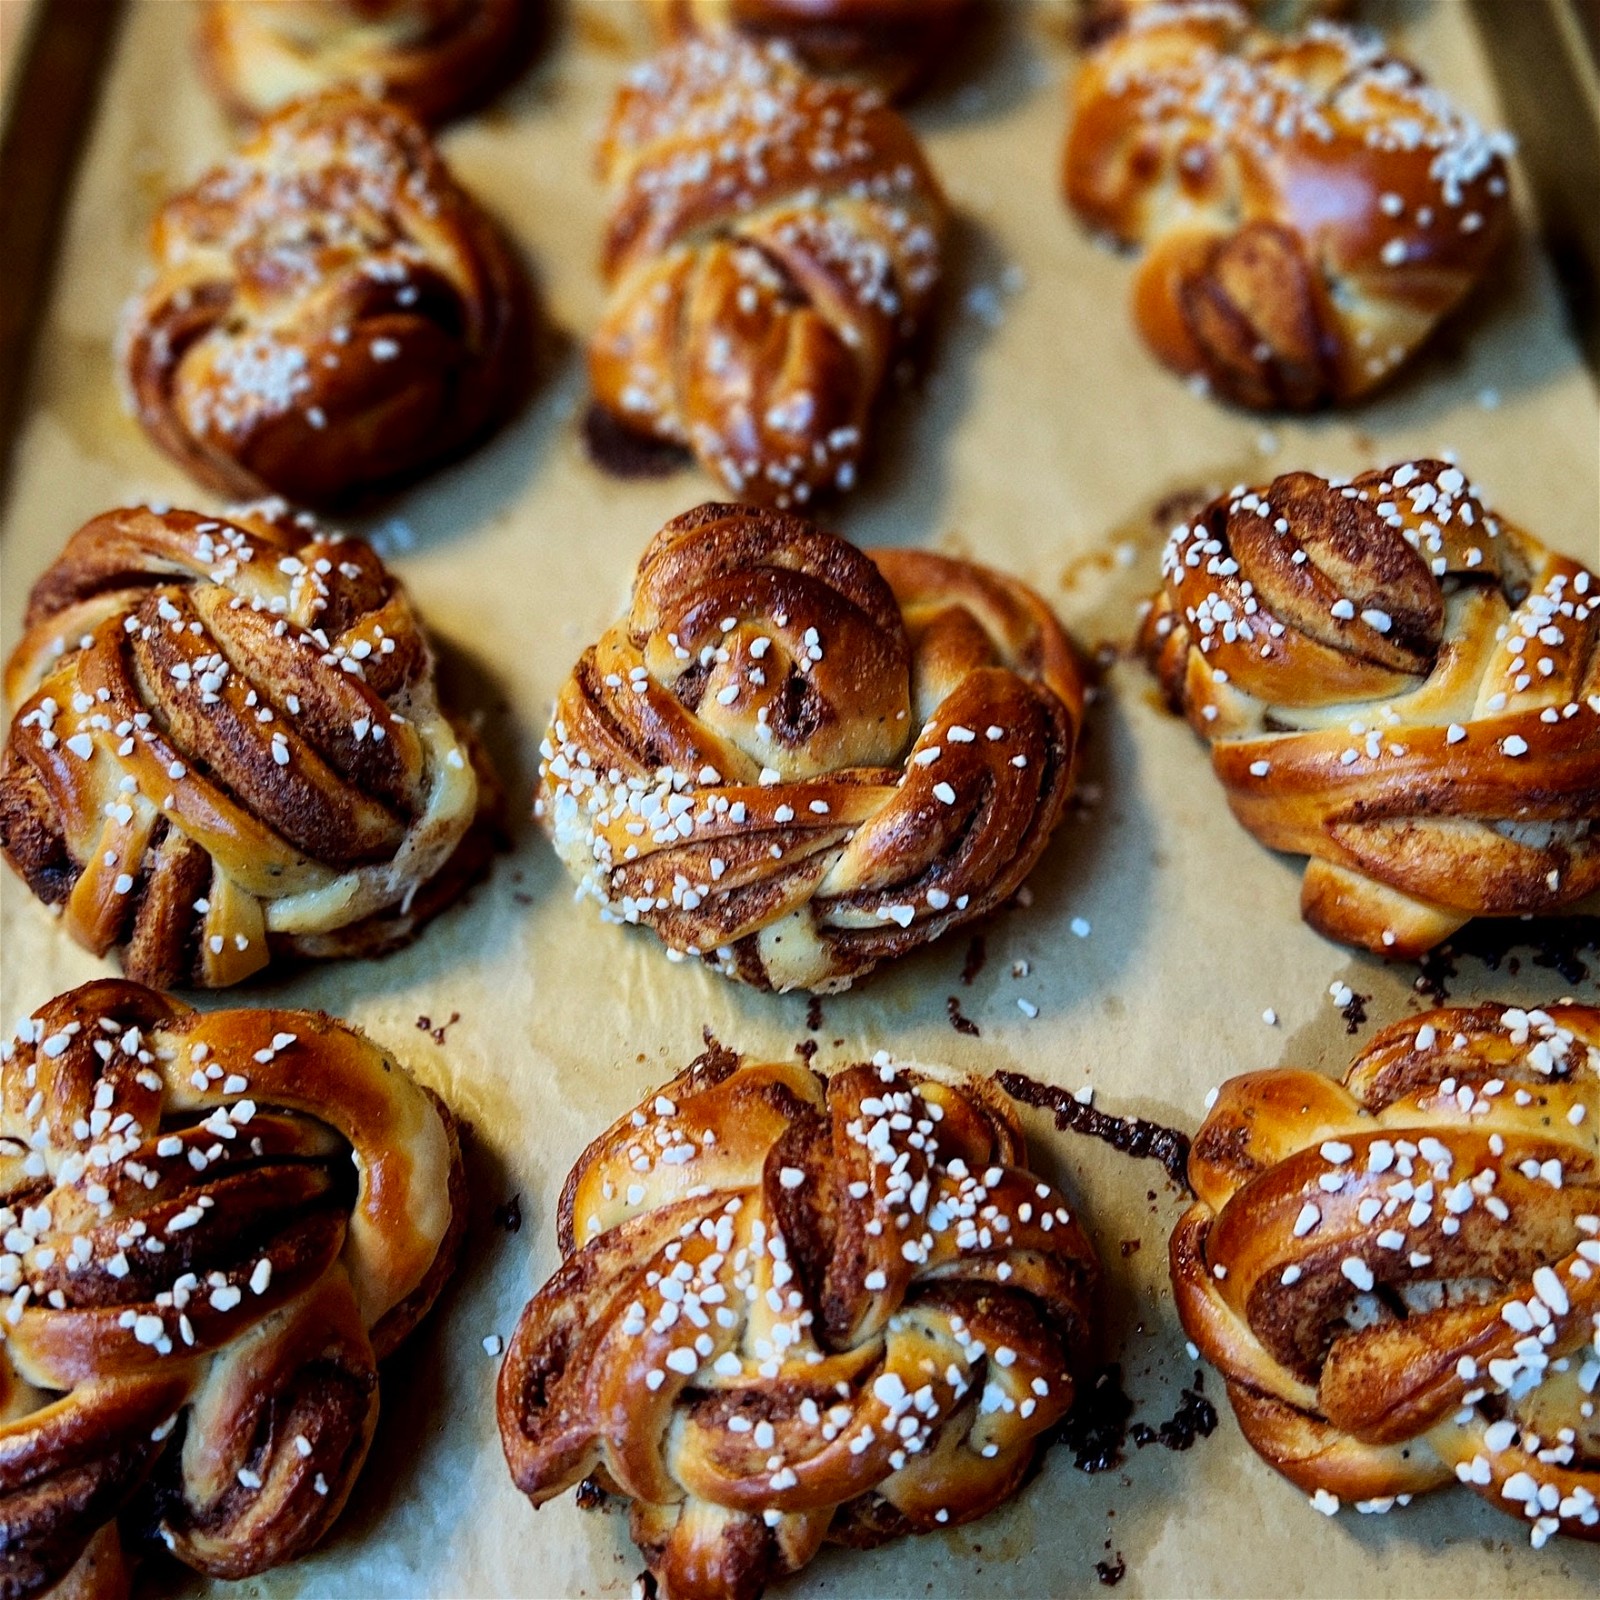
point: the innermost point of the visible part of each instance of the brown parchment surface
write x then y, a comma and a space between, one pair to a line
1038, 441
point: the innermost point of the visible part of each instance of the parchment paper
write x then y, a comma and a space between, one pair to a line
1039, 440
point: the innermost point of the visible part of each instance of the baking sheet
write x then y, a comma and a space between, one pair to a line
1038, 441
15, 18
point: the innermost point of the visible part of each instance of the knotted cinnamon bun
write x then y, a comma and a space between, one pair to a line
437, 58
797, 760
795, 1309
227, 747
216, 1226
1399, 1276
774, 246
1308, 209
1398, 683
330, 313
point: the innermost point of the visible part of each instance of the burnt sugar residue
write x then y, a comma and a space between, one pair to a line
1111, 1573
1566, 946
958, 1021
1354, 1012
814, 1013
437, 1031
1100, 1424
1096, 1429
623, 453
509, 1215
977, 955
1436, 970
1195, 1418
1132, 1136
590, 1496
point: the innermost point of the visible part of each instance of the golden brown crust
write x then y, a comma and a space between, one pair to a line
215, 1225
437, 58
798, 760
1398, 684
1308, 209
1101, 18
773, 249
795, 1309
330, 313
893, 45
227, 748
1399, 1277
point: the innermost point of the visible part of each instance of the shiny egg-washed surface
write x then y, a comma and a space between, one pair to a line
1399, 1275
1398, 684
227, 747
216, 1226
798, 760
895, 1312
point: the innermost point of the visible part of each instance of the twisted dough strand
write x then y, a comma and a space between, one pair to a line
1309, 209
797, 760
215, 1227
774, 244
330, 312
227, 745
1399, 684
794, 1310
437, 58
1399, 1277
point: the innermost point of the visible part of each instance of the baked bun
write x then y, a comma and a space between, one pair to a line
227, 748
1399, 1277
330, 314
437, 58
798, 760
892, 45
1399, 684
773, 249
796, 1309
1307, 209
216, 1226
